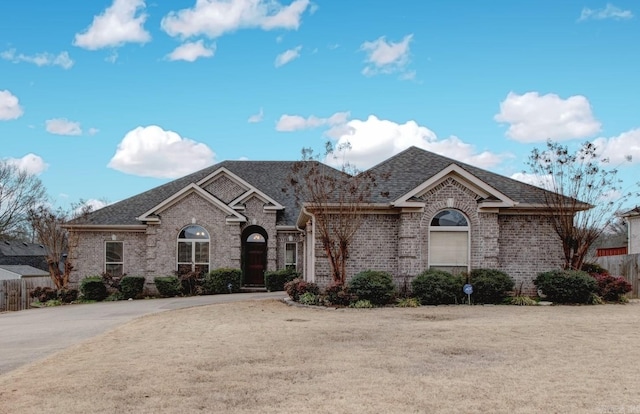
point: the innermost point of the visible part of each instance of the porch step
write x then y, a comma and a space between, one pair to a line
253, 289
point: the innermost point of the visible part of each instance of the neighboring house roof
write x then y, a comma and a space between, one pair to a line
23, 271
14, 252
631, 213
406, 171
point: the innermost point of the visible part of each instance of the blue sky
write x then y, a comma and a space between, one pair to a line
104, 99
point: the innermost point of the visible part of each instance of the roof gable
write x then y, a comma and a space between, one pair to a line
151, 215
490, 197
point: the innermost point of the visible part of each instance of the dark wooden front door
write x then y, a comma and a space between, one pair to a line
254, 264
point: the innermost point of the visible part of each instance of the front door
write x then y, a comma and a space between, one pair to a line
255, 263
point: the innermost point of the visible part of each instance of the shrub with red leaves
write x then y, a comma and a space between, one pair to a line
611, 288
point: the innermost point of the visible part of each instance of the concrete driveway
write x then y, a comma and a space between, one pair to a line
29, 335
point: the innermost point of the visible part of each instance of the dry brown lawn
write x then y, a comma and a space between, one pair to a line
267, 357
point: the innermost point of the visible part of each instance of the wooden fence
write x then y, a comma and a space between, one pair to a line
627, 265
15, 293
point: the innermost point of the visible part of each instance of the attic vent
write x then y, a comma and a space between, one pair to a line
25, 243
7, 243
41, 246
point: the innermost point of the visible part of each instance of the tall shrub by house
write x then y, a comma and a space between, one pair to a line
490, 285
437, 287
375, 286
566, 286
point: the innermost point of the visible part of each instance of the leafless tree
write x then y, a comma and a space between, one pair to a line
48, 226
336, 199
584, 195
20, 192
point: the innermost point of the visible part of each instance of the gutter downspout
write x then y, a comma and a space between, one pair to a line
309, 247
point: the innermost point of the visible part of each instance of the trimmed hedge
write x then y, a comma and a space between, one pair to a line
490, 285
375, 286
93, 288
218, 281
566, 286
275, 280
437, 287
131, 286
168, 286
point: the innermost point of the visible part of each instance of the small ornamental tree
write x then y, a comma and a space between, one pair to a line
583, 195
48, 226
335, 200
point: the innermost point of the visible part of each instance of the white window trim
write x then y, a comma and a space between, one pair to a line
450, 229
192, 242
295, 250
106, 263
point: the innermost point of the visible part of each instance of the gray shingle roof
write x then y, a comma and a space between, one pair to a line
270, 177
406, 170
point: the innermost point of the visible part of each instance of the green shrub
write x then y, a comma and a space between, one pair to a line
521, 300
92, 288
362, 304
275, 280
437, 287
374, 286
223, 280
131, 286
168, 286
490, 285
566, 286
408, 303
338, 295
308, 298
594, 268
298, 287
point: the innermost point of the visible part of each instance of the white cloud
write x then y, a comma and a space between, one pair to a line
336, 123
287, 56
618, 149
62, 126
535, 118
93, 131
544, 181
213, 18
191, 51
117, 25
609, 12
40, 59
30, 163
255, 118
386, 57
375, 140
9, 106
93, 204
153, 152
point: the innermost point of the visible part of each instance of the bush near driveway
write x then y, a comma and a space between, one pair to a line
223, 280
274, 280
93, 288
168, 286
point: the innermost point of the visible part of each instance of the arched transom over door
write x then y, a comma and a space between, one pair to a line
193, 250
254, 255
449, 241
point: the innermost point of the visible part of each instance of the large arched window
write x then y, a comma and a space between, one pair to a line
193, 250
449, 241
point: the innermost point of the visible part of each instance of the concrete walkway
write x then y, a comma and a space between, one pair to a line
29, 335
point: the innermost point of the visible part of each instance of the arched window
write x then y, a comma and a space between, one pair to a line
193, 250
255, 238
449, 241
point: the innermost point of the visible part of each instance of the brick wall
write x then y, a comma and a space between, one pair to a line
224, 188
528, 245
88, 253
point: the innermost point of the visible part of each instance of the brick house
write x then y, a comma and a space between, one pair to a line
438, 213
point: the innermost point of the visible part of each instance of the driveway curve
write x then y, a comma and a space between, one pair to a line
30, 335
